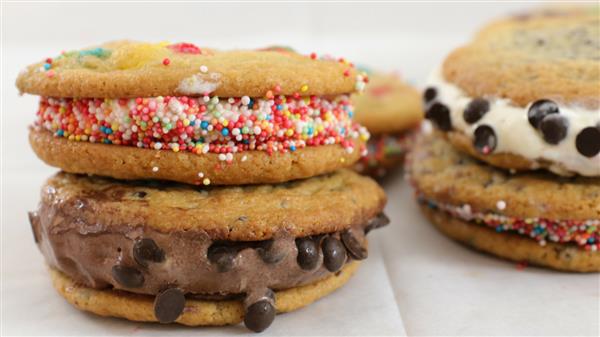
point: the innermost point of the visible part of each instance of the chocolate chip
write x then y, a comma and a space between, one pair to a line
145, 250
308, 254
475, 110
270, 294
539, 110
140, 194
34, 222
440, 116
484, 139
334, 254
429, 94
259, 316
128, 277
223, 257
269, 253
554, 128
379, 221
588, 141
168, 305
354, 247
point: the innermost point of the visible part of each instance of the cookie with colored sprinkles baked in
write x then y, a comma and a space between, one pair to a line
179, 112
169, 252
523, 94
391, 110
538, 217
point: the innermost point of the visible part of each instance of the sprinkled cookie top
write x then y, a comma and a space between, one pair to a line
127, 69
550, 55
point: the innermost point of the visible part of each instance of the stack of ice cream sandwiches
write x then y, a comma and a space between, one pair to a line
199, 186
513, 168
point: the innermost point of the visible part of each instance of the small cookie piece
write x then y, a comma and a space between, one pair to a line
391, 110
196, 312
540, 218
131, 110
153, 237
523, 94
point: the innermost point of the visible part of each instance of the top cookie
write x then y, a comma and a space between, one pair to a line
524, 94
553, 55
126, 69
388, 105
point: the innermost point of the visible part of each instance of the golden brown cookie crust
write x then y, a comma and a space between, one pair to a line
445, 175
136, 69
527, 58
322, 204
197, 312
388, 105
513, 247
124, 162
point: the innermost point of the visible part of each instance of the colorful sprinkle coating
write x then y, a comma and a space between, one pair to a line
205, 124
386, 147
584, 233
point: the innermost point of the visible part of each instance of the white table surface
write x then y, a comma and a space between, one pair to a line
415, 282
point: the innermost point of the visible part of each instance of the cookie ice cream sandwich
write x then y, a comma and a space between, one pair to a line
131, 110
533, 217
391, 110
524, 94
167, 252
140, 235
517, 174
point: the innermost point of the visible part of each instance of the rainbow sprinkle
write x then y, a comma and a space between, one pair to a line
205, 124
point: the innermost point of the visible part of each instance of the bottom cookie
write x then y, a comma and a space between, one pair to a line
560, 256
135, 307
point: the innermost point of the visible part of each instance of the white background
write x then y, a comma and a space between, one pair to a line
415, 281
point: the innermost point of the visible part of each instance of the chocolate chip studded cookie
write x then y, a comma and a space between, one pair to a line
524, 93
175, 111
391, 110
540, 218
170, 252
